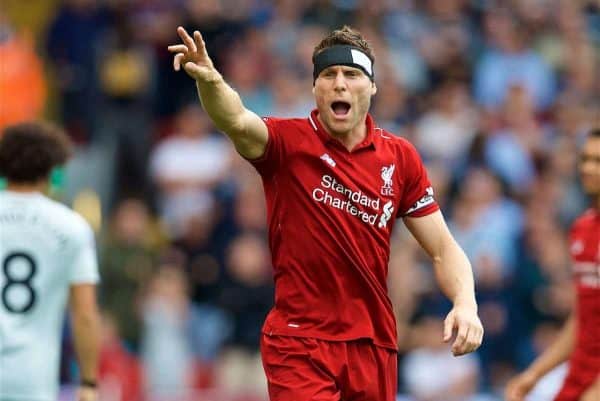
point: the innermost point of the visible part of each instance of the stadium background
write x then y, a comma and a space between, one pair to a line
496, 95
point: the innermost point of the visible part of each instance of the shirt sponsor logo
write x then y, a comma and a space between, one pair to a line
386, 176
587, 274
334, 194
328, 159
426, 200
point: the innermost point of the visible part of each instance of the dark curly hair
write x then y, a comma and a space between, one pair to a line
345, 36
29, 151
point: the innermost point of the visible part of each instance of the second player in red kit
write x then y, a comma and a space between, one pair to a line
579, 340
335, 184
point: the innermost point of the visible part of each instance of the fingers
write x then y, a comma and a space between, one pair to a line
473, 340
511, 394
201, 45
479, 339
469, 331
192, 56
460, 345
473, 335
177, 61
187, 39
514, 391
448, 328
192, 69
508, 392
518, 387
178, 49
515, 396
199, 41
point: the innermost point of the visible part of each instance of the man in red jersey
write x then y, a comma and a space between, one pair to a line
579, 340
335, 184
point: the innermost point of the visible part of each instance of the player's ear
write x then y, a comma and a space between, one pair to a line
313, 89
373, 88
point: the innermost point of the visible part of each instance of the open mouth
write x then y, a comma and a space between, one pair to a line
340, 108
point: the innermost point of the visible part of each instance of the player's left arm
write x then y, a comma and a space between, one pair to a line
455, 277
85, 320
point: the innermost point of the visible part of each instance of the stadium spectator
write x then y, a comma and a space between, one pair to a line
578, 341
509, 61
22, 80
247, 296
128, 256
166, 349
187, 167
431, 374
70, 44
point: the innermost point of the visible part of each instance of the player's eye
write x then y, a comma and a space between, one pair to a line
589, 158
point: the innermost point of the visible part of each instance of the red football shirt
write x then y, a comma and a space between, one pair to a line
585, 253
330, 215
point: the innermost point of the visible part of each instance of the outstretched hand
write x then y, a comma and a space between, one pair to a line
469, 332
518, 387
192, 55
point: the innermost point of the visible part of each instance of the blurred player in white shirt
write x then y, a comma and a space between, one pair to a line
47, 258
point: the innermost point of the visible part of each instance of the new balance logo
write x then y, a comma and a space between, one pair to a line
328, 159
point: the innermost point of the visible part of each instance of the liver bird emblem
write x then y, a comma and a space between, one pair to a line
386, 176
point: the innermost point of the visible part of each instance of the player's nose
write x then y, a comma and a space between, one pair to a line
339, 83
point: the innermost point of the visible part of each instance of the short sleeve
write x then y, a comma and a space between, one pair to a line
417, 199
84, 269
269, 162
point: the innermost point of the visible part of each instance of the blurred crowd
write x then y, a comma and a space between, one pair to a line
496, 95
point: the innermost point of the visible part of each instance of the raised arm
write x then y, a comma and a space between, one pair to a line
455, 277
247, 131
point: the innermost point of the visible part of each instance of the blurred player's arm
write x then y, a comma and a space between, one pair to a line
557, 353
85, 322
593, 392
455, 277
247, 131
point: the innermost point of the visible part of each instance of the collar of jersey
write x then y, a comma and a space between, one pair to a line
328, 139
21, 194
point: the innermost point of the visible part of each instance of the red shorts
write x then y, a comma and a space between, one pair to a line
308, 369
